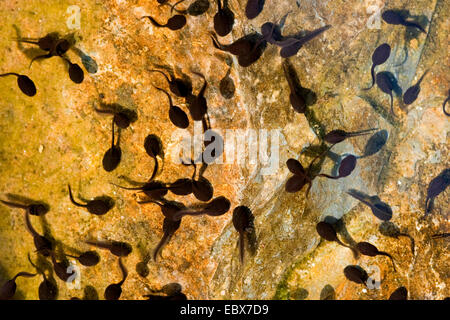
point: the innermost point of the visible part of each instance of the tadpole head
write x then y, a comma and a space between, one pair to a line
153, 146
26, 85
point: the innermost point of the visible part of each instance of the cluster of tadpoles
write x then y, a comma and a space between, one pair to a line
55, 47
385, 80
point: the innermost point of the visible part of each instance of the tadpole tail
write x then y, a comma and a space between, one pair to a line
153, 21
73, 200
443, 107
24, 274
126, 188
390, 257
328, 176
98, 244
155, 169
372, 73
103, 111
30, 226
216, 42
164, 240
44, 56
241, 247
413, 245
124, 271
9, 74
14, 205
176, 10
415, 25
166, 93
361, 132
355, 252
440, 235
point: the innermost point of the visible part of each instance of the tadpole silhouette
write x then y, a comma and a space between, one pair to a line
412, 92
445, 102
375, 143
223, 19
243, 222
299, 97
336, 136
168, 208
356, 274
368, 249
216, 207
201, 187
61, 268
177, 86
88, 62
172, 291
113, 155
253, 8
197, 104
440, 235
48, 290
177, 116
117, 248
328, 293
395, 18
122, 117
26, 85
248, 48
327, 232
154, 189
59, 48
99, 206
46, 43
380, 209
379, 56
227, 87
8, 289
435, 188
389, 229
76, 74
385, 85
113, 291
87, 259
401, 293
346, 167
291, 46
196, 8
36, 208
153, 147
174, 23
42, 244
169, 228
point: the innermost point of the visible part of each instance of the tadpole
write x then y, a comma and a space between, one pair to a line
368, 249
401, 293
177, 116
196, 8
395, 18
227, 87
174, 23
117, 248
76, 74
253, 8
113, 155
178, 87
170, 226
336, 136
346, 167
435, 188
356, 274
35, 209
243, 222
153, 147
87, 259
61, 268
99, 206
197, 104
8, 289
26, 85
380, 209
223, 19
379, 56
412, 92
113, 291
48, 290
389, 229
385, 85
42, 244
327, 232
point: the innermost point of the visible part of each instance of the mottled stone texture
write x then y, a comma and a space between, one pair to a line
55, 137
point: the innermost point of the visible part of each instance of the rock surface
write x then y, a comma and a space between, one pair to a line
56, 138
